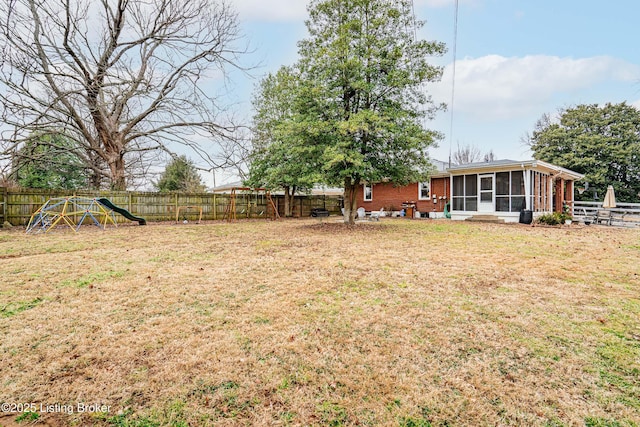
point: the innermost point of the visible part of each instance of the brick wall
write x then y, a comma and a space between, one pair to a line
390, 197
440, 187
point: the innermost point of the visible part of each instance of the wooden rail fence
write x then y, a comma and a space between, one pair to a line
624, 214
18, 204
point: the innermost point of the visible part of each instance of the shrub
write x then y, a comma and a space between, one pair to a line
553, 218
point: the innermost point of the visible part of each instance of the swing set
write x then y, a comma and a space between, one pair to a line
260, 195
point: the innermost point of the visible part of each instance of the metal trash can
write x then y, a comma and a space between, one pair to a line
526, 216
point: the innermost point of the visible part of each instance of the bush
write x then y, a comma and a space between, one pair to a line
553, 218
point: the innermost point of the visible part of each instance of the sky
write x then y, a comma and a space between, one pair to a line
515, 61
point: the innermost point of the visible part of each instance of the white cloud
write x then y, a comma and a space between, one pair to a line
636, 104
494, 86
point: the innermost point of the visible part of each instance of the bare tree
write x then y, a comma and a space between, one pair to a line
541, 124
234, 154
121, 78
6, 178
466, 154
489, 156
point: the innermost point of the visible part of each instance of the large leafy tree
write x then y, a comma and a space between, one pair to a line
602, 142
122, 78
278, 160
180, 175
49, 161
363, 99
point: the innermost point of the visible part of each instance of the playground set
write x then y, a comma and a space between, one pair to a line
230, 213
74, 211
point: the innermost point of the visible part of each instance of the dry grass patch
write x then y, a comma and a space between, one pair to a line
406, 323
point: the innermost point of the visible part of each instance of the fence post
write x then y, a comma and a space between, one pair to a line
214, 206
5, 195
75, 216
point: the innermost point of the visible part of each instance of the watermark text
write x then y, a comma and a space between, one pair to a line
43, 408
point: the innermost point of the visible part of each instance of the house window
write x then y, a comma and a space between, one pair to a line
510, 195
465, 193
457, 195
423, 190
517, 191
471, 192
368, 192
503, 184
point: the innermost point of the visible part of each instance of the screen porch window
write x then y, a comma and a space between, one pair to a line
510, 194
486, 189
465, 193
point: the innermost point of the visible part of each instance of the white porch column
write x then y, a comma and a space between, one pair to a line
527, 189
550, 184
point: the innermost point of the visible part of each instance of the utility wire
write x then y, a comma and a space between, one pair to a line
413, 16
414, 22
453, 78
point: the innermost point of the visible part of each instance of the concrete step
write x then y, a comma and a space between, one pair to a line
486, 218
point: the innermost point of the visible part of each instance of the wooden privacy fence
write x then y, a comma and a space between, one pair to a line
18, 204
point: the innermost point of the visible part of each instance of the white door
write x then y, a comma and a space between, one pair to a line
486, 186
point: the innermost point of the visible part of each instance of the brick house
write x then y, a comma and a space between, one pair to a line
427, 197
499, 188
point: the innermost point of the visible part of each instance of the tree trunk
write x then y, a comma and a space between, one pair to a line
118, 177
350, 201
289, 194
94, 180
292, 200
288, 206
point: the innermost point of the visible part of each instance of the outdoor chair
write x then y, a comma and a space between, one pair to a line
375, 215
603, 217
588, 219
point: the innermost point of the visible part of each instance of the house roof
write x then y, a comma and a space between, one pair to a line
439, 168
506, 164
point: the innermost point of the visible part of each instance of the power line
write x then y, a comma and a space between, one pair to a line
453, 78
413, 16
414, 22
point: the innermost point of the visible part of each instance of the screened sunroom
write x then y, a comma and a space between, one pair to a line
504, 188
